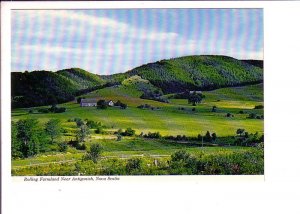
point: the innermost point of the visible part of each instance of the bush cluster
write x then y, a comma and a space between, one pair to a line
128, 132
259, 107
52, 109
121, 105
155, 135
255, 116
77, 145
245, 139
147, 106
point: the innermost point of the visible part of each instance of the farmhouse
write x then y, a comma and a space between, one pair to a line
88, 102
110, 103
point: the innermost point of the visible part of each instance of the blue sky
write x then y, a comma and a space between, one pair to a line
114, 41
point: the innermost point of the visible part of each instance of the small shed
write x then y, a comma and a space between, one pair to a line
88, 102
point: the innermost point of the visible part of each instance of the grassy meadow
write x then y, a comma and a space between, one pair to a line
170, 119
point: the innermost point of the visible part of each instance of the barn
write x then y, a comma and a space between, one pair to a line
88, 102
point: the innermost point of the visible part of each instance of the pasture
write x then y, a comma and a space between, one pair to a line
171, 119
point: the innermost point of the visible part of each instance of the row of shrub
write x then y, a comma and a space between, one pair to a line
180, 163
242, 138
52, 109
127, 132
154, 95
147, 106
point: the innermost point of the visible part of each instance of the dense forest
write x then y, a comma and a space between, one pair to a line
39, 88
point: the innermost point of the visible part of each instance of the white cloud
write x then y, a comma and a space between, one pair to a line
50, 49
44, 15
72, 38
45, 25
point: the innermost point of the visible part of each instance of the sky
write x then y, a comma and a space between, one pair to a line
111, 41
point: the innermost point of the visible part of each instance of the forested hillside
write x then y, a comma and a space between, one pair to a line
168, 76
39, 88
81, 78
258, 63
195, 72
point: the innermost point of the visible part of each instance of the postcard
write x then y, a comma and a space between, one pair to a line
105, 95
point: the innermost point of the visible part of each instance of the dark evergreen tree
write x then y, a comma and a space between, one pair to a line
207, 137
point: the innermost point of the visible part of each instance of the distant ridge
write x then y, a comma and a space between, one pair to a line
258, 63
204, 72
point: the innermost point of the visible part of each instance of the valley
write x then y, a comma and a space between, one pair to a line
150, 134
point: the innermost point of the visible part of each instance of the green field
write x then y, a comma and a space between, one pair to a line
169, 119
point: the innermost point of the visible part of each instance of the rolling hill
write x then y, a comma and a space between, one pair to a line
166, 76
39, 88
194, 72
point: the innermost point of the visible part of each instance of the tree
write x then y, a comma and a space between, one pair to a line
134, 165
79, 99
92, 124
240, 132
53, 108
94, 152
99, 130
180, 155
182, 163
207, 137
195, 98
56, 109
53, 129
79, 122
252, 116
128, 132
63, 147
119, 137
214, 136
118, 103
101, 104
82, 133
214, 109
123, 106
15, 142
28, 134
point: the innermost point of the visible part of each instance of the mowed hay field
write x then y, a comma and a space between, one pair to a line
169, 119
